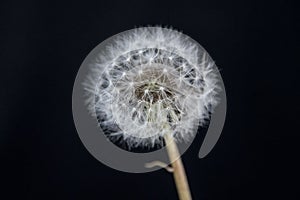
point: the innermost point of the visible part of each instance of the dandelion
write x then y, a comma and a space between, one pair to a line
153, 84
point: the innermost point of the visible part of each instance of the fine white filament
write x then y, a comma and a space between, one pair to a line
149, 81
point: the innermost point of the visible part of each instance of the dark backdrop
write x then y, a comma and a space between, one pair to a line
42, 46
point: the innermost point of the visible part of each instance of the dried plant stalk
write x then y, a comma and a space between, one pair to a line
178, 169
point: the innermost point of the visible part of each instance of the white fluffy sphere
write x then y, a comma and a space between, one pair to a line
151, 81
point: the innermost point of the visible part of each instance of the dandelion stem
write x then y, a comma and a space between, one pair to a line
178, 169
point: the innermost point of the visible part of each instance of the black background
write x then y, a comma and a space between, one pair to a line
42, 46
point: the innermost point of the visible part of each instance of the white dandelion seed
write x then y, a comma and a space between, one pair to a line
148, 79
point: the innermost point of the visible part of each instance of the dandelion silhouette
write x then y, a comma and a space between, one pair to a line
154, 87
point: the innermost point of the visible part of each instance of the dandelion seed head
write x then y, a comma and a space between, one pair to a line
150, 78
